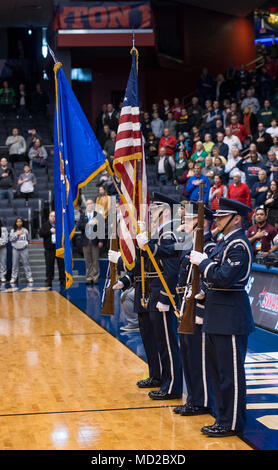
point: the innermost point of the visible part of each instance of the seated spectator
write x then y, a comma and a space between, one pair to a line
111, 118
209, 169
7, 97
37, 155
232, 141
262, 140
192, 187
183, 122
7, 184
238, 129
231, 167
157, 125
110, 143
39, 101
273, 129
180, 167
223, 148
261, 234
239, 191
171, 124
27, 182
32, 136
251, 165
271, 204
218, 189
22, 101
266, 114
103, 202
271, 165
4, 238
208, 144
19, 238
17, 147
195, 112
251, 100
249, 121
167, 141
165, 167
200, 154
260, 189
151, 148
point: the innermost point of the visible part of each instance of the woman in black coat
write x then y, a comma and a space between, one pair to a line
271, 203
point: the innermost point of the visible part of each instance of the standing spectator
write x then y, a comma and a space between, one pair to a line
273, 51
249, 121
238, 129
4, 238
165, 109
103, 202
180, 167
218, 189
239, 191
205, 86
167, 141
103, 135
271, 204
32, 136
259, 190
165, 167
171, 124
100, 119
221, 87
271, 165
261, 234
200, 154
89, 225
192, 187
146, 124
223, 148
266, 114
151, 148
7, 96
273, 129
176, 109
214, 114
232, 141
252, 101
231, 167
19, 238
251, 165
186, 175
208, 144
7, 188
209, 169
17, 147
27, 182
157, 125
39, 101
195, 112
235, 110
48, 233
194, 136
270, 67
111, 118
183, 122
22, 101
181, 144
274, 147
262, 140
265, 84
37, 155
242, 79
219, 163
110, 143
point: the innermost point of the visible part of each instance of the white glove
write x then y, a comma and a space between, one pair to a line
142, 225
119, 285
113, 256
162, 307
196, 257
200, 296
142, 239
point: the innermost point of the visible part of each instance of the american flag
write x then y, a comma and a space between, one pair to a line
129, 165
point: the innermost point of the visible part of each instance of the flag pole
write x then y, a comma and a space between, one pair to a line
147, 248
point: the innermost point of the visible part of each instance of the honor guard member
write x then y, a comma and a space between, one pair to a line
146, 327
228, 317
160, 307
193, 346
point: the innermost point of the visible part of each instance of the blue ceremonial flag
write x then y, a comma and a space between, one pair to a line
78, 158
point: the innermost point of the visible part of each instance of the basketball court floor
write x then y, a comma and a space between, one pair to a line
69, 376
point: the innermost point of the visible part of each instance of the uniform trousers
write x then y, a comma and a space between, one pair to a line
22, 255
127, 301
226, 356
3, 262
149, 342
195, 368
91, 255
166, 336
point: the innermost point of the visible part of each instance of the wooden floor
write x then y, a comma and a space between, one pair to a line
66, 383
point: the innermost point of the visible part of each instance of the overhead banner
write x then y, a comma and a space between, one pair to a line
103, 15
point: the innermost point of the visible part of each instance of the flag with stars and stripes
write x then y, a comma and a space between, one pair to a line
129, 165
78, 157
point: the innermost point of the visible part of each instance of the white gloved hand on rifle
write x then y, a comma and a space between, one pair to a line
142, 239
119, 285
113, 256
196, 257
162, 307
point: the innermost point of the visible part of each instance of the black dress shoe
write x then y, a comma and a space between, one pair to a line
179, 409
218, 430
148, 383
190, 410
160, 395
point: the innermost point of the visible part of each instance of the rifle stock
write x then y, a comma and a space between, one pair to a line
187, 323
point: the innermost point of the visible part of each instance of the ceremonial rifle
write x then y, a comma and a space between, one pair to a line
187, 313
111, 276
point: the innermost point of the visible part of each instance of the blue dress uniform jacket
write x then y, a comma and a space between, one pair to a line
227, 324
